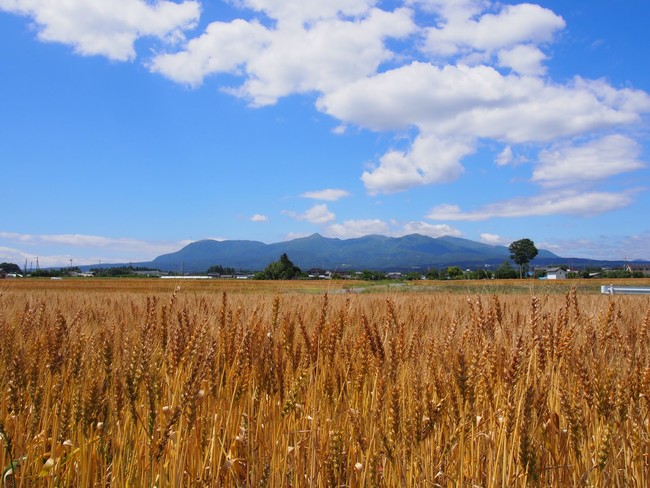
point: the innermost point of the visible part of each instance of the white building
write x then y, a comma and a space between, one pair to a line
556, 273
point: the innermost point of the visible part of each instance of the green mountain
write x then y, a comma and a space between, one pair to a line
369, 252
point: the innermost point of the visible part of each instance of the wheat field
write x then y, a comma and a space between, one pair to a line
137, 383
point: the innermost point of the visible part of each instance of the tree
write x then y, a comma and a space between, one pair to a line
283, 269
368, 275
505, 271
412, 276
433, 274
454, 273
522, 252
217, 268
10, 268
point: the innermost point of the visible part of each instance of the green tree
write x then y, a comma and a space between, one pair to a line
522, 252
368, 275
505, 271
412, 276
433, 274
10, 268
217, 268
283, 269
454, 273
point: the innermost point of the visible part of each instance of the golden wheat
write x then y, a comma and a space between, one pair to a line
238, 386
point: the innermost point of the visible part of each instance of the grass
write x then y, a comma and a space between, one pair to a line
156, 383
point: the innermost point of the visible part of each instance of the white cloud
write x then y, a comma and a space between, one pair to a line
259, 218
113, 249
290, 57
514, 24
106, 28
595, 160
480, 102
339, 51
493, 239
12, 255
358, 228
223, 48
524, 59
561, 203
318, 214
328, 194
606, 247
431, 230
459, 105
308, 10
505, 157
429, 160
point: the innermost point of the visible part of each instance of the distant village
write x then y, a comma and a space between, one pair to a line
504, 271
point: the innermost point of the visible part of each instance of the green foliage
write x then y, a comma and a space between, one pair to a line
455, 273
46, 273
284, 269
368, 275
412, 276
119, 271
221, 270
10, 268
482, 274
433, 274
522, 252
505, 271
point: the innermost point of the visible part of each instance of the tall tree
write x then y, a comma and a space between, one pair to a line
522, 252
284, 269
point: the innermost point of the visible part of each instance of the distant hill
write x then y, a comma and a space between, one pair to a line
374, 252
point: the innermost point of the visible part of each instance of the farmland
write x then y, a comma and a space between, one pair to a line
231, 383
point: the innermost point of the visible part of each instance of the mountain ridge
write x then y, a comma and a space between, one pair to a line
373, 251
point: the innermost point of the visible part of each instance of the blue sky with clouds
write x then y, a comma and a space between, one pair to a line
130, 128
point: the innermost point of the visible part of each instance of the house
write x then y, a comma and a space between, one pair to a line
556, 273
3, 274
636, 268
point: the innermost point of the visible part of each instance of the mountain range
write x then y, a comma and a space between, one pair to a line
373, 252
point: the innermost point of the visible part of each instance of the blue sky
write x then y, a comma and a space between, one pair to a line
130, 128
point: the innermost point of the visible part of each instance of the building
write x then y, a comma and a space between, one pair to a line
556, 273
3, 274
636, 268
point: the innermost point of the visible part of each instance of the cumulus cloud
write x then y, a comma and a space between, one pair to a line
290, 57
596, 160
561, 203
318, 214
259, 218
479, 102
524, 59
459, 105
429, 160
431, 230
477, 75
106, 28
460, 32
493, 239
328, 194
308, 10
358, 228
225, 47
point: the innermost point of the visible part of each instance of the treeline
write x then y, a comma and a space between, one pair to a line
221, 270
